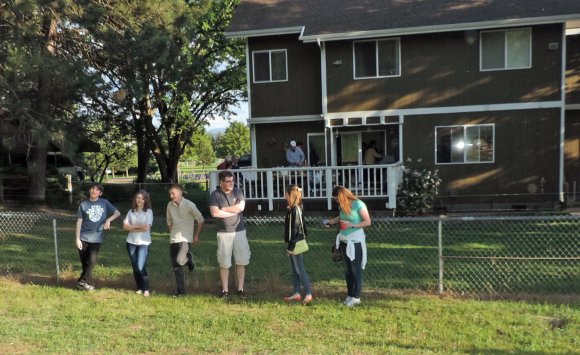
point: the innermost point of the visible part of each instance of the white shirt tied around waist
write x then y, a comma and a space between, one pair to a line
355, 237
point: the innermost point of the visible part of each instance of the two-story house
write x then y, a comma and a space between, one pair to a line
484, 91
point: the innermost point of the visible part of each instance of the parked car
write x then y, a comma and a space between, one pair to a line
245, 161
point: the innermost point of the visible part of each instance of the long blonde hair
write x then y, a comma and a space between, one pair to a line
344, 197
294, 196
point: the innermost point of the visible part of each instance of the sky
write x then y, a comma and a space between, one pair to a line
240, 114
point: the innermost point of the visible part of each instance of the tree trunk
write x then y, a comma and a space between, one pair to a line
37, 158
37, 171
142, 151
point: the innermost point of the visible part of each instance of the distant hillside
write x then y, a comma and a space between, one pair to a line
214, 132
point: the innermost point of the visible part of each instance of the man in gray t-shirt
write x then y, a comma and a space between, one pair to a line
94, 216
227, 204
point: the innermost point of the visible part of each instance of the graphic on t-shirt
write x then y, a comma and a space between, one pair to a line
95, 213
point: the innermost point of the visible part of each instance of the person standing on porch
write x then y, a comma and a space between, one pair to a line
371, 155
181, 216
351, 240
94, 217
295, 155
227, 204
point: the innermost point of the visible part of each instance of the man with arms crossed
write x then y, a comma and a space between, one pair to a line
226, 204
181, 217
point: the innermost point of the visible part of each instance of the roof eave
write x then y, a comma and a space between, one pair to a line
439, 28
266, 32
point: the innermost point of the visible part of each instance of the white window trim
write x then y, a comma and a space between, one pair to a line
465, 162
505, 31
397, 40
269, 51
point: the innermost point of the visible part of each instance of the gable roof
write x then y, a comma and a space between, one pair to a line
341, 19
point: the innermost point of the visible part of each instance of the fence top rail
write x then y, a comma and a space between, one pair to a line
317, 214
480, 218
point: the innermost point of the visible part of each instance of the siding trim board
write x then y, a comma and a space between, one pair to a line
445, 110
440, 28
266, 32
282, 119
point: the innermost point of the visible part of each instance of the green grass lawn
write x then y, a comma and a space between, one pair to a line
53, 319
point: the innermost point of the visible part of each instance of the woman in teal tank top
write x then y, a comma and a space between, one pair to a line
351, 240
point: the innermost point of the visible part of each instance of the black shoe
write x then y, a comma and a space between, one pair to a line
190, 263
224, 295
242, 294
178, 294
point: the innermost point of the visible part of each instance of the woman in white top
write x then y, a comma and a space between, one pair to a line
138, 223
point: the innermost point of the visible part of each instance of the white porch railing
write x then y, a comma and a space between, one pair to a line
317, 182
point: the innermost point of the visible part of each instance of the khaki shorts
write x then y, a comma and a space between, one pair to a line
232, 242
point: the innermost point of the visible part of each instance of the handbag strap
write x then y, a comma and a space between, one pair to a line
299, 213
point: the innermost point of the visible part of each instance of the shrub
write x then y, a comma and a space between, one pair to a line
418, 188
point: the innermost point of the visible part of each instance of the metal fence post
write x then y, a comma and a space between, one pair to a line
56, 250
440, 248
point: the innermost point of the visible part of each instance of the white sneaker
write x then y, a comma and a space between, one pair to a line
347, 300
353, 302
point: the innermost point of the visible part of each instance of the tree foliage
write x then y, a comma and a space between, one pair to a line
42, 78
201, 150
174, 66
234, 141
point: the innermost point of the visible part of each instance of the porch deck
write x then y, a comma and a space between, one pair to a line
266, 187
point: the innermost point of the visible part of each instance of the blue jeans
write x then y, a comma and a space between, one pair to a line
353, 270
138, 255
299, 274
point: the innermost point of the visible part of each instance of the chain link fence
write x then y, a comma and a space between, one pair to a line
466, 255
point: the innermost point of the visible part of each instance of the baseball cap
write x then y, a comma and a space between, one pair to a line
293, 143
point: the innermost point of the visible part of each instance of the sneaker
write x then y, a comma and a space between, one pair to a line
146, 293
353, 302
347, 300
242, 294
83, 286
295, 297
190, 263
224, 294
138, 292
178, 295
307, 299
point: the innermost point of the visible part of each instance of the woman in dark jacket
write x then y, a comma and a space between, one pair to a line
294, 231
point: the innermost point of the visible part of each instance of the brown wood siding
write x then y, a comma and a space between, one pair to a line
301, 94
572, 149
573, 70
526, 150
270, 139
443, 70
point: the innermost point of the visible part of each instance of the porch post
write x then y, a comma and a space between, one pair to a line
329, 187
394, 175
270, 189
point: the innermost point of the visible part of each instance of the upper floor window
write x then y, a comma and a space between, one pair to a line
464, 144
506, 49
377, 58
270, 66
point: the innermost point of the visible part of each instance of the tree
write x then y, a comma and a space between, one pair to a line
201, 150
174, 66
234, 141
41, 78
